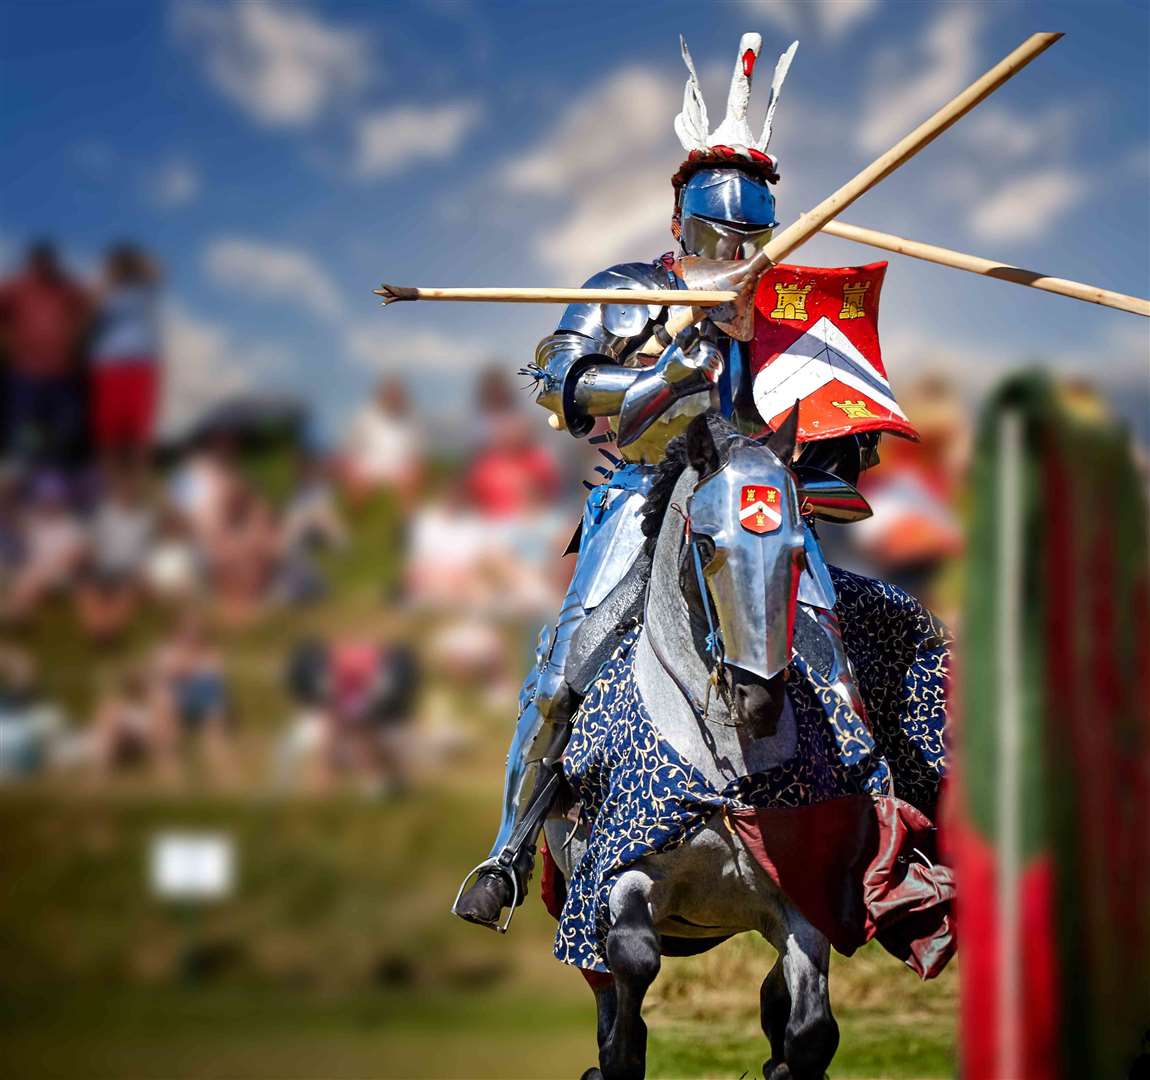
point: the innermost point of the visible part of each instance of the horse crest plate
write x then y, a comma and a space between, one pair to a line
759, 508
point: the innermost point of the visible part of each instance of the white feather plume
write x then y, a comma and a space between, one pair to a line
691, 125
781, 69
734, 130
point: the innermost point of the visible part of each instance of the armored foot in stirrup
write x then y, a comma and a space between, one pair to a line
489, 888
501, 881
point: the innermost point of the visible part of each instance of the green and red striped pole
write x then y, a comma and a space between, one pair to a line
1051, 823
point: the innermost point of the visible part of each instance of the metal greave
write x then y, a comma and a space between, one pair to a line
546, 705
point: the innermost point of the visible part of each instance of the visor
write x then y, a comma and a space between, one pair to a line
730, 196
720, 240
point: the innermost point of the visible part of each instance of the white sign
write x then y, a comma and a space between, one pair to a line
192, 866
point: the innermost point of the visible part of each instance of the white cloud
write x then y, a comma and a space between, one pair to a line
273, 272
836, 17
831, 18
895, 102
603, 167
281, 64
389, 140
385, 348
627, 215
205, 365
627, 115
175, 183
1025, 206
998, 132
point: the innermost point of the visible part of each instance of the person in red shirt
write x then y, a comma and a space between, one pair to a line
44, 316
125, 356
514, 476
511, 472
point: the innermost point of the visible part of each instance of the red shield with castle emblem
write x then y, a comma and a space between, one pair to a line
760, 509
816, 341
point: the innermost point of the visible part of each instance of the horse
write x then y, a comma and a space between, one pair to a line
708, 664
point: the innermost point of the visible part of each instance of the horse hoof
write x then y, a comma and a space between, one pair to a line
484, 901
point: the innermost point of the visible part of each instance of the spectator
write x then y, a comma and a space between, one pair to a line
52, 544
124, 725
303, 753
370, 694
44, 316
915, 532
384, 450
445, 552
242, 555
512, 471
193, 702
311, 523
201, 487
30, 726
120, 538
173, 569
496, 406
126, 356
311, 518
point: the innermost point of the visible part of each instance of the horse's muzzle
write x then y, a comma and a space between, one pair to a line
758, 702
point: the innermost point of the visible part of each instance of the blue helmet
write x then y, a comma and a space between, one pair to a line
725, 213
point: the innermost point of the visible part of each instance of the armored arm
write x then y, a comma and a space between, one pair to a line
581, 367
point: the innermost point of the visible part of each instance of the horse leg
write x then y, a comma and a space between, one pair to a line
606, 1006
774, 1009
633, 955
810, 1034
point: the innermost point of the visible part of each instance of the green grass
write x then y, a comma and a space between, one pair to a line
337, 956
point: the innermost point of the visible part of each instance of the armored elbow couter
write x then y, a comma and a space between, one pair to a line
560, 360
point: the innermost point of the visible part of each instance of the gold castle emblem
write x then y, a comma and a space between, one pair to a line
792, 301
854, 296
854, 410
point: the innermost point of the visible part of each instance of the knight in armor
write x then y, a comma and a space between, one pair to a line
599, 363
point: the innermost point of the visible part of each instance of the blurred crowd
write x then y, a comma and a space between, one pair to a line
171, 562
162, 557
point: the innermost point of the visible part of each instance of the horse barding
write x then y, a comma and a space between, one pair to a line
748, 761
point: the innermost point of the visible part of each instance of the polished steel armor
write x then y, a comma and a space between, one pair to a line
753, 577
726, 213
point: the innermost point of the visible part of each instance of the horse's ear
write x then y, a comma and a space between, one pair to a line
702, 450
781, 441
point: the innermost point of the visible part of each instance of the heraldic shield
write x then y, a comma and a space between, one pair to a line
759, 509
816, 341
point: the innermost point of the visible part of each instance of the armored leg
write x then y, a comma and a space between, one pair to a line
546, 705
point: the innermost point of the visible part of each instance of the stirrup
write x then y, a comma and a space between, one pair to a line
508, 871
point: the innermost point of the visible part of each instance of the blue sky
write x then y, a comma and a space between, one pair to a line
284, 158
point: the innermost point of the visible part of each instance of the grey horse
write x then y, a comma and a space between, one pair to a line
728, 721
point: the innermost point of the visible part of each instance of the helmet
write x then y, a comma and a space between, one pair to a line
725, 213
724, 207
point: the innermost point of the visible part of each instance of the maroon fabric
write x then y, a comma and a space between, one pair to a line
552, 887
849, 866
